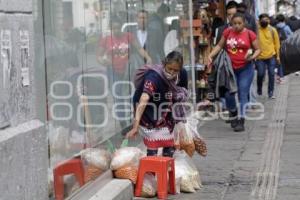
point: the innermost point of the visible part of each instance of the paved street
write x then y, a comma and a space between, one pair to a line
261, 163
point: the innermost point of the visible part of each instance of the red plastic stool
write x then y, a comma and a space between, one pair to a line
162, 166
73, 166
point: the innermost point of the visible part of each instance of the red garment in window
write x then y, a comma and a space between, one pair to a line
117, 48
237, 45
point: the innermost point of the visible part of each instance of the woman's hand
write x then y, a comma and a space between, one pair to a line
278, 60
148, 60
132, 133
249, 58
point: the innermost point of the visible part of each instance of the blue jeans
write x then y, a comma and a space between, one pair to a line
252, 95
261, 71
244, 78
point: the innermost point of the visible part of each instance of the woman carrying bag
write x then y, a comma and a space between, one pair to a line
238, 42
158, 89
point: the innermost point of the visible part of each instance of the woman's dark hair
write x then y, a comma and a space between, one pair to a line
280, 18
293, 18
238, 14
242, 5
273, 21
264, 15
172, 57
144, 12
231, 4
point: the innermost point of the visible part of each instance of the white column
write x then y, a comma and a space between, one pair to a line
192, 52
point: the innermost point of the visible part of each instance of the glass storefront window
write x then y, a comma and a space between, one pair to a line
93, 49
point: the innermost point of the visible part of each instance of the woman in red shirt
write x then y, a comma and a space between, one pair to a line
113, 53
238, 42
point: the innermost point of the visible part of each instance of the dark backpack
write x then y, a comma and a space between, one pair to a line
281, 33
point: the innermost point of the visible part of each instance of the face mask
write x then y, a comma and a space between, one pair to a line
168, 75
264, 24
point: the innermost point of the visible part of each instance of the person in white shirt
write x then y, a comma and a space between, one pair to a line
147, 39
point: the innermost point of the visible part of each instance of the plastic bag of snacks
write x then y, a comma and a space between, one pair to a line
149, 186
126, 156
200, 144
95, 162
196, 179
185, 138
186, 170
125, 163
127, 172
98, 157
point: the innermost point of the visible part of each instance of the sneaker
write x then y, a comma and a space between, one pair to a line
297, 73
272, 97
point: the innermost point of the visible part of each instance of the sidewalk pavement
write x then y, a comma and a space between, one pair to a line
260, 163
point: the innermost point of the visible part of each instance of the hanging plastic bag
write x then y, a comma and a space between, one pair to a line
185, 138
200, 144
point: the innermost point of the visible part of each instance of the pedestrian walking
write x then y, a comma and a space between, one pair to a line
284, 32
269, 44
290, 53
113, 53
238, 42
250, 20
158, 88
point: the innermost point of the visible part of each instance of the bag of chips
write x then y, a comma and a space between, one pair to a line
127, 172
95, 162
199, 142
186, 170
149, 186
184, 138
126, 156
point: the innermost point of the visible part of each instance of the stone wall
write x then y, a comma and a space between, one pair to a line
23, 139
24, 162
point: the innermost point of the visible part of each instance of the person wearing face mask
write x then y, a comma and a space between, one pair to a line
158, 88
237, 40
270, 45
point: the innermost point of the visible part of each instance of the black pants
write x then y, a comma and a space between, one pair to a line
167, 152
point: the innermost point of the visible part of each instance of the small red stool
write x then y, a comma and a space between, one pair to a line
162, 166
72, 166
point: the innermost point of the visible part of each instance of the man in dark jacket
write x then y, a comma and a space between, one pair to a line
290, 53
294, 23
231, 9
158, 31
250, 20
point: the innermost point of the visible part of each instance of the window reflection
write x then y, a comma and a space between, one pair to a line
96, 46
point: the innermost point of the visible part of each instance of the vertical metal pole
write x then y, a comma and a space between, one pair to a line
192, 52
